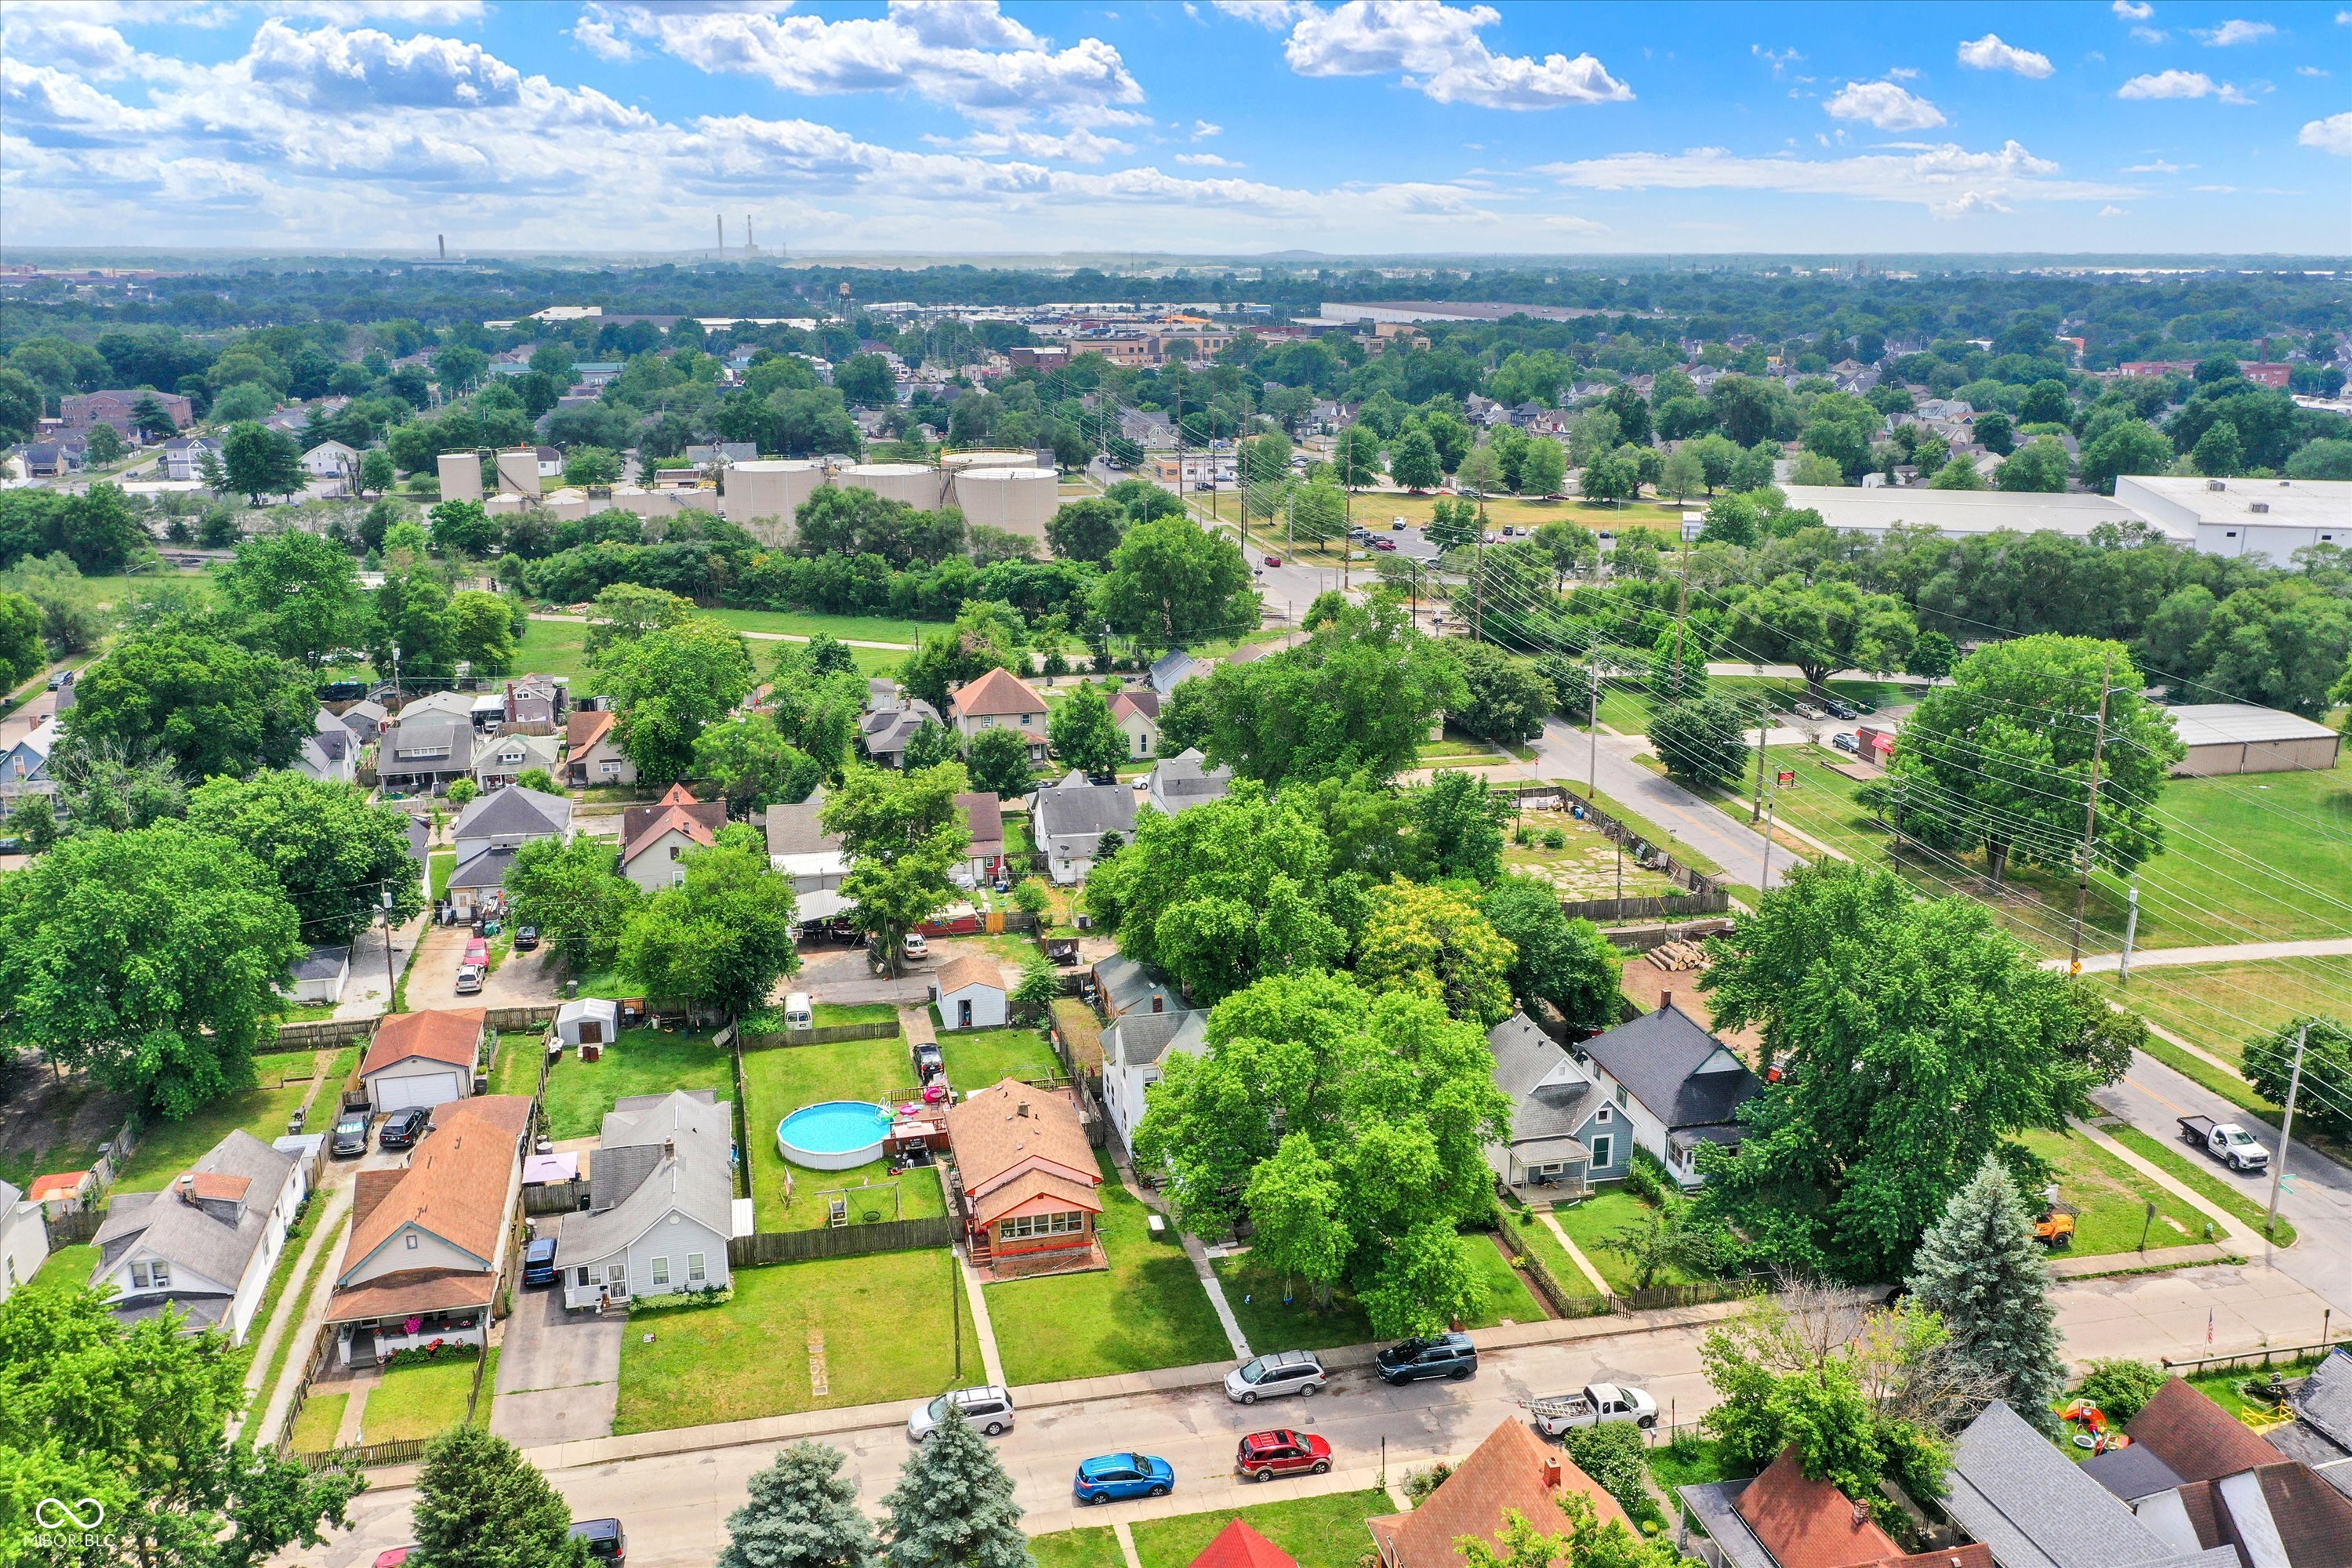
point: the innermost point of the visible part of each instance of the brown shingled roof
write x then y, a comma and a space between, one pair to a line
1805, 1523
218, 1185
970, 969
677, 799
1512, 1470
2196, 1436
455, 1183
673, 817
1012, 1128
443, 1034
999, 692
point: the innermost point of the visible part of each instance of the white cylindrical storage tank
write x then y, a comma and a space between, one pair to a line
461, 476
695, 500
1019, 501
519, 470
954, 460
640, 500
769, 492
502, 505
566, 505
919, 484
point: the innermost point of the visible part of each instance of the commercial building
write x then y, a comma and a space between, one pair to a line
1957, 514
2240, 738
2243, 517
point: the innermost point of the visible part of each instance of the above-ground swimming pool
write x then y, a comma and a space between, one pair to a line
834, 1135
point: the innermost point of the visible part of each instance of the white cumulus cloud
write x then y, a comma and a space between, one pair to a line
1947, 179
2134, 10
1434, 49
1206, 161
2236, 30
1989, 54
2169, 84
2333, 134
1886, 105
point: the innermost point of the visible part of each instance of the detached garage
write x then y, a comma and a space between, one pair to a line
423, 1058
2240, 738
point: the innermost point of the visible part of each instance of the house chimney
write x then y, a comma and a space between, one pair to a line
669, 1148
187, 1185
1158, 1004
1665, 1000
1861, 1512
1551, 1473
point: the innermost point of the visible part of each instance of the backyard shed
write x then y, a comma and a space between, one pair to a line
588, 1021
971, 994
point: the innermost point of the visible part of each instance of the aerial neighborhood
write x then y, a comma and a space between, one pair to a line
711, 905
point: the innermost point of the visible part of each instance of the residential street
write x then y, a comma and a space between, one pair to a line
674, 1499
1561, 753
2316, 1196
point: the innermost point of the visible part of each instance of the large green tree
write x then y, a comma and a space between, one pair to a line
149, 958
954, 1506
1913, 1037
1087, 529
719, 940
1567, 963
21, 652
1507, 698
998, 760
802, 1513
1396, 1102
481, 1504
670, 685
2326, 1089
296, 595
259, 462
1432, 942
2000, 759
337, 856
753, 767
1980, 1269
1173, 584
133, 1415
1821, 627
1704, 739
211, 706
570, 892
903, 837
1085, 735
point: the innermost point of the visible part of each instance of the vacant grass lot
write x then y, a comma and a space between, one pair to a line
1256, 1295
424, 1399
2112, 1199
1088, 1546
516, 1070
167, 1148
883, 1319
1146, 1310
783, 1078
644, 1061
977, 1059
1319, 1531
557, 647
2219, 1007
848, 628
829, 1014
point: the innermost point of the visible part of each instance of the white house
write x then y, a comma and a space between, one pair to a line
1136, 1046
332, 462
184, 456
23, 1238
970, 991
1184, 781
661, 1205
331, 751
503, 759
800, 848
1670, 1086
206, 1243
490, 830
423, 1058
1068, 820
1137, 713
655, 840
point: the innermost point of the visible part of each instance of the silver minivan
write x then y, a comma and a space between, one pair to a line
989, 1408
1272, 1376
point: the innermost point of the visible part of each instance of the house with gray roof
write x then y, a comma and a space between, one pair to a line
1136, 1048
1674, 1086
2321, 1433
885, 729
319, 976
426, 753
661, 1204
2009, 1488
1173, 668
489, 832
800, 848
1069, 820
1121, 985
1552, 1102
24, 766
206, 1243
363, 718
1186, 780
330, 752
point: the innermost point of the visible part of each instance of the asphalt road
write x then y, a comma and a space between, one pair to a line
1567, 754
2316, 1194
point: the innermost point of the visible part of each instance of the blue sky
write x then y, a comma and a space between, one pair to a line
1227, 126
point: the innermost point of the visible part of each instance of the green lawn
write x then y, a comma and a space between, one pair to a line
46, 1143
979, 1058
1146, 1310
2112, 1199
1590, 1222
64, 1268
443, 862
424, 1399
642, 1061
783, 1078
849, 628
1255, 1296
832, 1015
167, 1148
556, 647
884, 1323
1319, 1531
321, 1418
2220, 1005
2202, 1178
516, 1071
1088, 1546
1533, 1236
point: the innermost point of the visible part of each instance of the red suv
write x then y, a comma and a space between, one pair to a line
1265, 1454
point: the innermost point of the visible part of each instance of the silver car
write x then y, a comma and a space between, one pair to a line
1271, 1376
989, 1408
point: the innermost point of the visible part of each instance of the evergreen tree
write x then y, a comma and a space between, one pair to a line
1980, 1268
481, 1504
802, 1515
954, 1506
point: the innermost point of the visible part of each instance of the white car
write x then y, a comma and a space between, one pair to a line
1270, 1377
914, 946
989, 1408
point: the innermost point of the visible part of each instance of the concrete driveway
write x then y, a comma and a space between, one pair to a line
558, 1371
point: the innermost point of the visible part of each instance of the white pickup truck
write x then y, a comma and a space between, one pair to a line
2226, 1142
1599, 1403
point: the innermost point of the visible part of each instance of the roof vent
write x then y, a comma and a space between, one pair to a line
2215, 485
2262, 506
1021, 1110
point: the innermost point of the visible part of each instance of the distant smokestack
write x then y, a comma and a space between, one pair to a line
721, 222
443, 241
750, 245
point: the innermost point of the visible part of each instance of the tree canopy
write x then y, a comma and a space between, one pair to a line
1173, 584
719, 940
671, 684
181, 688
340, 858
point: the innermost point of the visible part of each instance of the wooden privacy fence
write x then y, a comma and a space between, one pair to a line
2191, 1366
1702, 894
840, 1241
322, 1033
1667, 906
73, 1228
823, 1034
532, 1018
555, 1197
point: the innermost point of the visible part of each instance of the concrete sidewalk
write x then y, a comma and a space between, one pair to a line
2229, 952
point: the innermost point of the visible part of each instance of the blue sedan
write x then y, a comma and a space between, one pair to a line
1109, 1476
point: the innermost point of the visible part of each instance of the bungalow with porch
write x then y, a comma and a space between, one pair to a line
1001, 699
429, 1242
1027, 1178
487, 834
206, 1243
1552, 1101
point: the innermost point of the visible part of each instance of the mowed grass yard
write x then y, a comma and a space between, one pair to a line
782, 1079
642, 1061
1147, 1311
884, 1326
1319, 1531
425, 1398
167, 1148
2220, 1007
1592, 1222
559, 648
2111, 1199
1255, 1293
978, 1059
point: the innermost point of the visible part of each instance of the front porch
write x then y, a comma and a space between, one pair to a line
996, 1266
372, 1342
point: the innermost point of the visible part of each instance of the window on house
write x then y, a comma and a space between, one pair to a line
1602, 1150
1604, 1116
661, 1272
582, 1279
412, 1240
1622, 1097
676, 852
696, 1273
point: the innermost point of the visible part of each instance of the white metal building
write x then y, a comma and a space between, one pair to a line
1956, 514
2244, 517
2240, 738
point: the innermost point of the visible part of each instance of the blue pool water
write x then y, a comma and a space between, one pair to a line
834, 1128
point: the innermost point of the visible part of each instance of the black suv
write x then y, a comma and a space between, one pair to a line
1445, 1355
607, 1543
402, 1128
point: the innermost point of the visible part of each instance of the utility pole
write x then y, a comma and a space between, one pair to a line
2131, 930
2090, 814
390, 984
1682, 608
1764, 882
2286, 1129
1593, 755
1763, 731
1478, 586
